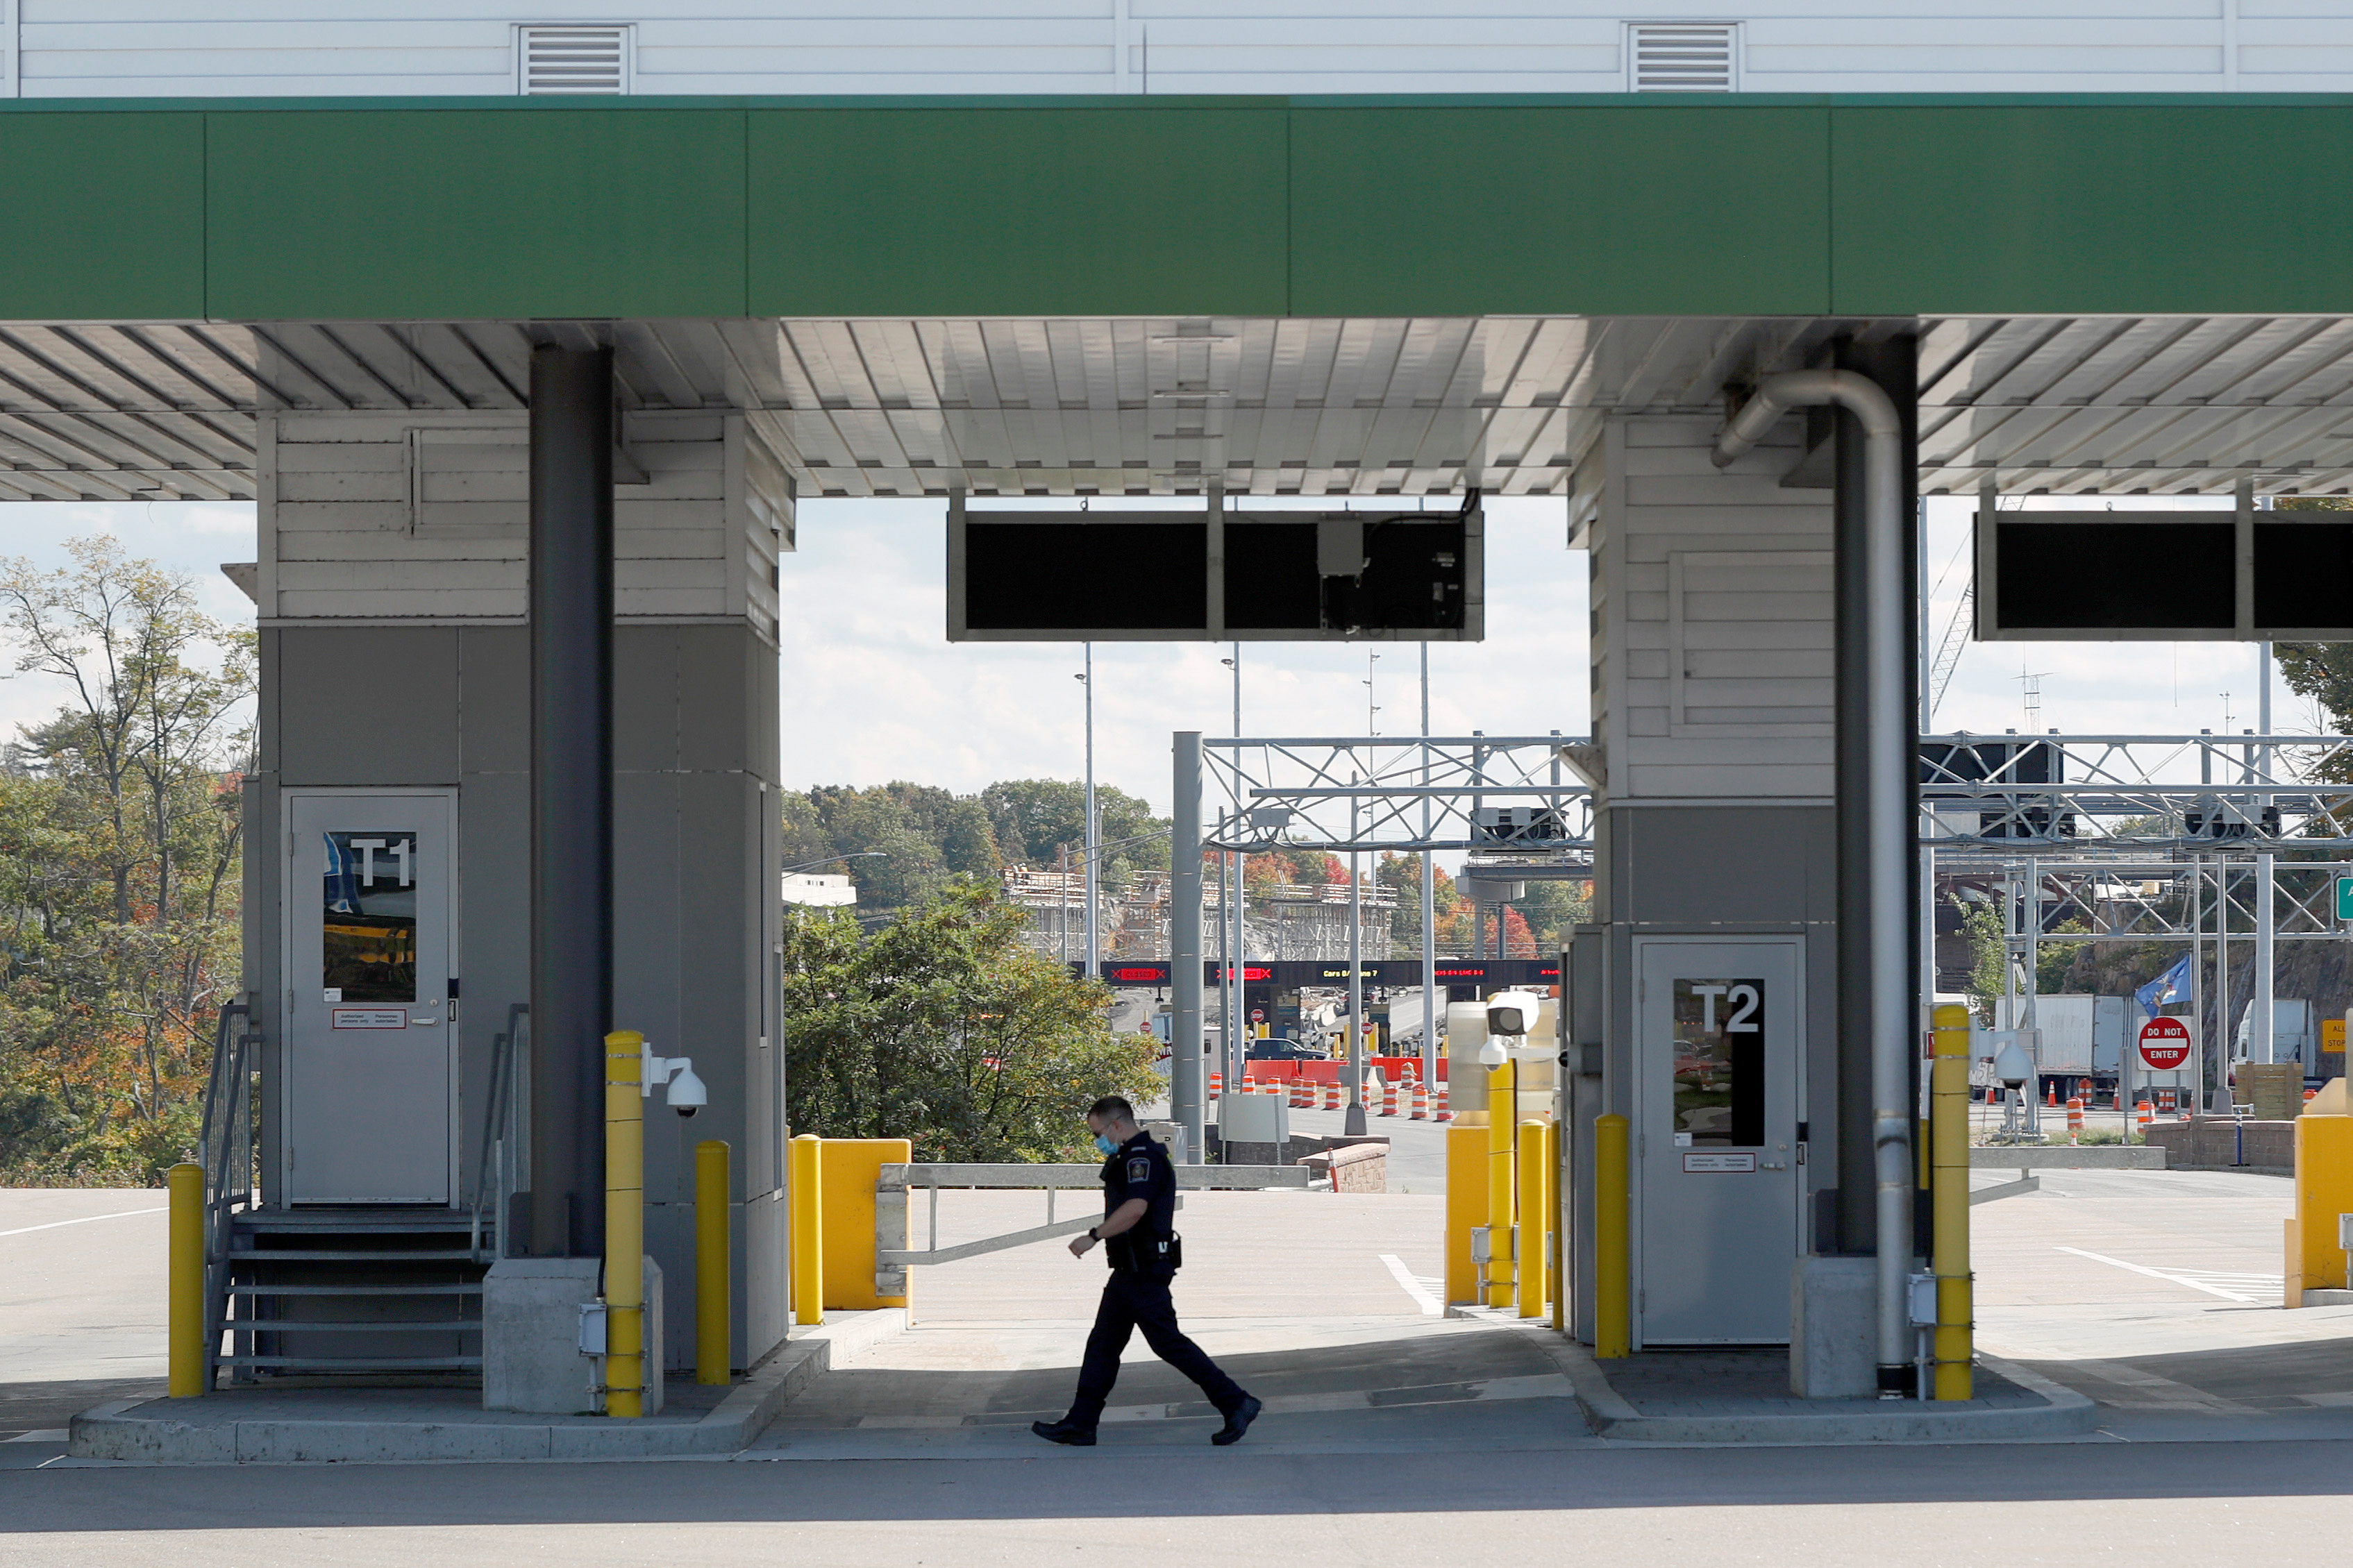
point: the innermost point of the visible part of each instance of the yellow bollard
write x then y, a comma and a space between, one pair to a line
1535, 1221
1613, 1296
1502, 1177
1556, 1212
715, 1266
1466, 1209
808, 1230
184, 1292
624, 1223
1948, 1094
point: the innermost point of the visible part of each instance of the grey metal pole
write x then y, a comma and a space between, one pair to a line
1236, 1054
571, 601
1353, 1074
1433, 1009
1226, 959
1095, 940
1185, 946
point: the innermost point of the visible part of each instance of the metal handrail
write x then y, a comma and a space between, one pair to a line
226, 1147
501, 1153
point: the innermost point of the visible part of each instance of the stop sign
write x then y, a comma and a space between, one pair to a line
2164, 1044
1257, 1015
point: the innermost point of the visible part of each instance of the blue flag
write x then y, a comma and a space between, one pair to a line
2167, 987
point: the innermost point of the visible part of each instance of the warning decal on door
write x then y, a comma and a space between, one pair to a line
1719, 1164
368, 1018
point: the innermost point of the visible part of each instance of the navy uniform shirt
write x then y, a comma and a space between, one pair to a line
1140, 1169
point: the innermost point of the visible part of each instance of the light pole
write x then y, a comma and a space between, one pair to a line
1094, 946
1353, 1127
1371, 708
1230, 901
1432, 1008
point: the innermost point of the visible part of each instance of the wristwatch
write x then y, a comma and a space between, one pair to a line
1092, 1232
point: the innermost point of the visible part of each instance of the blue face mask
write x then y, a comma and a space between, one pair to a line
1106, 1145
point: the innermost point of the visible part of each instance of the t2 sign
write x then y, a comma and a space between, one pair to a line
2164, 1044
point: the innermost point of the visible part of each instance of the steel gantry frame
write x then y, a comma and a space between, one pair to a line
1351, 796
2235, 830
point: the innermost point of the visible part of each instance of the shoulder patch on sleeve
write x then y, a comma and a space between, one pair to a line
1139, 1169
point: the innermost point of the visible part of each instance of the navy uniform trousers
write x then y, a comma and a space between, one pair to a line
1131, 1302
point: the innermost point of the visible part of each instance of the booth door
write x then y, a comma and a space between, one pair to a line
369, 1039
1718, 1178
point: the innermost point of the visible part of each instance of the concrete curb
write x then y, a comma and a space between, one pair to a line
113, 1431
2064, 1413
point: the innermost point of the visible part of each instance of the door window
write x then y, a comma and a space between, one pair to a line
1719, 1053
369, 953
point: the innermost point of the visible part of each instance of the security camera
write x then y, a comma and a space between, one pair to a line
682, 1090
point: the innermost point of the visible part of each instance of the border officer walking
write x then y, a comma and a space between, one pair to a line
1139, 1240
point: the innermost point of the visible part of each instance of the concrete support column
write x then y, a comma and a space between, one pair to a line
571, 791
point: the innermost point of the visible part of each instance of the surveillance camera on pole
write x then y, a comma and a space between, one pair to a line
1511, 1015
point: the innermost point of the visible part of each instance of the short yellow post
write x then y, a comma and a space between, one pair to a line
624, 1223
1536, 1220
1613, 1296
1466, 1209
185, 1284
808, 1230
1556, 1258
1948, 1096
1502, 1178
714, 1265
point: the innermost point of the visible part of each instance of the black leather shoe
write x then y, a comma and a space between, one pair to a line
1238, 1421
1078, 1437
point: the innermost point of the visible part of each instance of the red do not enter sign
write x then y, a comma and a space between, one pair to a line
2164, 1044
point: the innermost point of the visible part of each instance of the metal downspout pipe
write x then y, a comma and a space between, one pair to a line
1887, 801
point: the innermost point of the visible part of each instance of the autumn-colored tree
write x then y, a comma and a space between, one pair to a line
120, 864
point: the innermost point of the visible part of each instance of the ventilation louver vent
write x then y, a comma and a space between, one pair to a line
1683, 56
573, 59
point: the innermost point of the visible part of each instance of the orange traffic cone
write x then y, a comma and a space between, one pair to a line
1420, 1101
1443, 1113
2051, 1095
1216, 1085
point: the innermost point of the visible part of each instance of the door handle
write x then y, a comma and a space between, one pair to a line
417, 1023
1772, 1164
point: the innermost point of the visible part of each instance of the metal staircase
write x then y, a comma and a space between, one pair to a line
369, 1290
333, 1291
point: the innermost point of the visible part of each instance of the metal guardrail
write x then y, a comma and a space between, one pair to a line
894, 1256
225, 1146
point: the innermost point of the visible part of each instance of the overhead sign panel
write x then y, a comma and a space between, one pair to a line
2246, 575
1216, 576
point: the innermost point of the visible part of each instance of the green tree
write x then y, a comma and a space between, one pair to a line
946, 1028
120, 859
1035, 820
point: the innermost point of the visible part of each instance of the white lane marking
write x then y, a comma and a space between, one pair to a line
1432, 1307
44, 1435
118, 1214
2247, 1290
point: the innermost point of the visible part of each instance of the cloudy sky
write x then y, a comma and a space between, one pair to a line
873, 690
